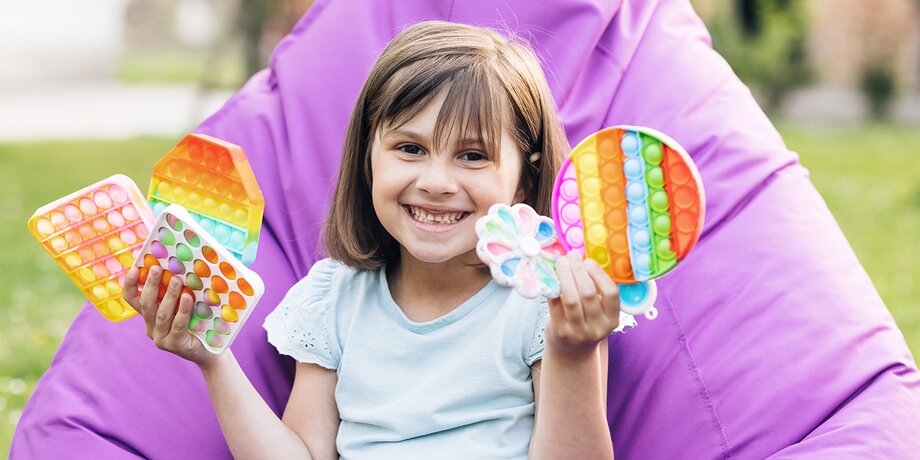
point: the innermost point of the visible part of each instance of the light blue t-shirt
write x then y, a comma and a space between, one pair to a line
456, 387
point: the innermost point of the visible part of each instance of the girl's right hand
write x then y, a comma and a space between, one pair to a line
166, 322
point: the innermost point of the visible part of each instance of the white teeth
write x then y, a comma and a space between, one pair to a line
422, 216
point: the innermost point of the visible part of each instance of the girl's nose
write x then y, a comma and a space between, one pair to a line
437, 177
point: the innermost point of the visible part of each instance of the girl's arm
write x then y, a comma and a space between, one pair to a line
252, 430
570, 382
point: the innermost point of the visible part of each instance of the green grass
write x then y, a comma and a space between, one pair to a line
175, 66
868, 175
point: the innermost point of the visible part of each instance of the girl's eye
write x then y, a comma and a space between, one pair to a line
411, 149
473, 156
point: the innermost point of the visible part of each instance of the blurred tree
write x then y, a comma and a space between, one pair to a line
764, 41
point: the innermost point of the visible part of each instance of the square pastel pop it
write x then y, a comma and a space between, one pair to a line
94, 234
212, 179
225, 291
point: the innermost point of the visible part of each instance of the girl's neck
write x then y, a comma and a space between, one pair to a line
426, 291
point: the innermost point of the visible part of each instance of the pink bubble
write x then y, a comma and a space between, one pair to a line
72, 213
118, 194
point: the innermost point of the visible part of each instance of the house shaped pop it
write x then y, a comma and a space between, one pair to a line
94, 235
225, 291
212, 179
631, 199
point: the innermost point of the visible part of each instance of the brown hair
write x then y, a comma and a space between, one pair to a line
489, 81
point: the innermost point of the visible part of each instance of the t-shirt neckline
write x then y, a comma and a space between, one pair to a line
449, 318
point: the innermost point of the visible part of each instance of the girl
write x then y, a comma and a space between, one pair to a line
406, 348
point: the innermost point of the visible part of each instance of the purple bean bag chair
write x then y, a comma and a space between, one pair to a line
771, 340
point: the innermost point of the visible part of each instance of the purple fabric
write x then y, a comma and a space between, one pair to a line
771, 340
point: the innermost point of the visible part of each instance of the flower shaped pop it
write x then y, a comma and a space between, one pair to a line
521, 249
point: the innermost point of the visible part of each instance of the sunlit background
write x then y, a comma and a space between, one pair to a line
93, 88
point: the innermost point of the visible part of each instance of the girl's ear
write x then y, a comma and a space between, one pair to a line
521, 193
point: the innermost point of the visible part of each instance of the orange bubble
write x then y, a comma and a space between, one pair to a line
244, 286
219, 284
186, 290
228, 270
142, 275
167, 275
209, 254
150, 260
237, 301
201, 269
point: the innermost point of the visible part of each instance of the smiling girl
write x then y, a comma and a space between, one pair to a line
406, 347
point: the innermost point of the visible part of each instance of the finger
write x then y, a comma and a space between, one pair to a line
610, 293
179, 330
587, 292
150, 290
129, 284
167, 310
568, 291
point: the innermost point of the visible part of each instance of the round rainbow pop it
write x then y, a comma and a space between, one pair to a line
631, 199
224, 290
94, 235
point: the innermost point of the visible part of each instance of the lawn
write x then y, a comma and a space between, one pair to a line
870, 177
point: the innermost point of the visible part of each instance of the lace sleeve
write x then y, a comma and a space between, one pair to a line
301, 326
537, 343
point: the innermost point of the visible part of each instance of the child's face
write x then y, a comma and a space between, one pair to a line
429, 197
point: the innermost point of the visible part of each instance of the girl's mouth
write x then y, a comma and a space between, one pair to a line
429, 216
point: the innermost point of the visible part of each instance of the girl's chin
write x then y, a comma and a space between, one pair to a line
440, 255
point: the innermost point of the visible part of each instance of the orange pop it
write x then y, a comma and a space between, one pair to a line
212, 179
94, 235
631, 199
223, 288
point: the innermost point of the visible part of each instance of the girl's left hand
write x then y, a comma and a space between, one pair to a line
588, 309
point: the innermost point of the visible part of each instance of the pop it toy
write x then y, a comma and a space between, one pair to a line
631, 199
521, 248
212, 179
224, 290
94, 234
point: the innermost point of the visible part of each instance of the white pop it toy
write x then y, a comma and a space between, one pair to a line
225, 291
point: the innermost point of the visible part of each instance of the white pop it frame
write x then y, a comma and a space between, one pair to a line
205, 239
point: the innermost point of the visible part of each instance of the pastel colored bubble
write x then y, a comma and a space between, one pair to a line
101, 225
128, 236
72, 213
100, 248
100, 271
72, 260
116, 244
196, 324
207, 225
192, 238
115, 218
183, 252
126, 259
213, 339
236, 239
166, 236
210, 157
221, 326
72, 237
102, 200
245, 286
86, 253
202, 310
174, 222
44, 226
59, 244
176, 266
227, 270
211, 297
86, 231
222, 186
193, 281
87, 206
158, 250
225, 163
58, 219
118, 194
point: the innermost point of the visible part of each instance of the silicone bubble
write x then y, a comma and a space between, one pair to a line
221, 285
89, 235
